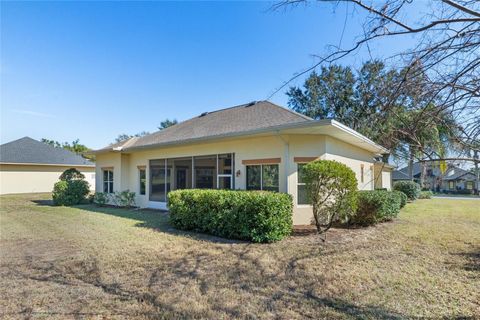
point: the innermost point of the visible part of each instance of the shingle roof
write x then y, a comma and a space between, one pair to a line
238, 119
457, 173
28, 150
399, 175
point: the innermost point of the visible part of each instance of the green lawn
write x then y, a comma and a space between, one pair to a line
59, 262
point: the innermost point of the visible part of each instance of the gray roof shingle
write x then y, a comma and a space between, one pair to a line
242, 118
28, 150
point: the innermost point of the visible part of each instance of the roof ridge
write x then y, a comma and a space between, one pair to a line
289, 110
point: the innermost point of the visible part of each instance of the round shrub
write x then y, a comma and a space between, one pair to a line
67, 193
257, 216
403, 198
71, 174
410, 188
331, 188
71, 189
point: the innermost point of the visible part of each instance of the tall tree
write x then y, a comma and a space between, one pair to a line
75, 146
124, 136
361, 100
447, 47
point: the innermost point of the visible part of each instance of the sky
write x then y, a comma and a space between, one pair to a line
94, 70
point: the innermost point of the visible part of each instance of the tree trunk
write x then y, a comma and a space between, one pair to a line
477, 172
410, 165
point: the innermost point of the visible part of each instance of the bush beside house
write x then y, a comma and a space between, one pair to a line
256, 216
331, 188
410, 188
377, 206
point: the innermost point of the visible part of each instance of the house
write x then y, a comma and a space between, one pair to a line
383, 175
454, 179
254, 146
28, 165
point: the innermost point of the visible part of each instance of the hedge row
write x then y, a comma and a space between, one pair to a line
377, 206
246, 215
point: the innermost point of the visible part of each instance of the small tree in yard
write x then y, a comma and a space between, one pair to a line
331, 187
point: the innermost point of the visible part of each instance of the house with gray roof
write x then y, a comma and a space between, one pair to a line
253, 146
454, 179
28, 166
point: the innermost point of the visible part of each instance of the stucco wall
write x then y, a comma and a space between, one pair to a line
286, 147
36, 178
354, 157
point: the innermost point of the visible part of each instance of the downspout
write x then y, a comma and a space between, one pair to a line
287, 158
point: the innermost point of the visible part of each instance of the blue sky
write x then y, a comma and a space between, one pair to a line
93, 70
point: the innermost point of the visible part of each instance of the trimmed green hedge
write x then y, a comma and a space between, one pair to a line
376, 206
403, 198
256, 216
410, 188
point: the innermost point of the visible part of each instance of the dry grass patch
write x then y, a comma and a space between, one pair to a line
87, 262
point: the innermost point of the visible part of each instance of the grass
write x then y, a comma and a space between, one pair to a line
59, 262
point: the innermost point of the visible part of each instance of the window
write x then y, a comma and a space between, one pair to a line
469, 185
263, 177
108, 181
142, 180
302, 196
361, 173
202, 172
451, 185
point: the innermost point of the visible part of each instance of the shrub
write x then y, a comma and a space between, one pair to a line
331, 187
258, 216
124, 198
403, 198
425, 195
71, 174
410, 188
100, 198
67, 193
376, 206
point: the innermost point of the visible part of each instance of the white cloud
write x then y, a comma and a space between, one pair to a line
34, 113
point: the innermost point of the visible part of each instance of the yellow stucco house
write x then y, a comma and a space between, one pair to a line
255, 146
30, 166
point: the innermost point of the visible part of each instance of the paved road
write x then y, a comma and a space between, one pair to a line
455, 198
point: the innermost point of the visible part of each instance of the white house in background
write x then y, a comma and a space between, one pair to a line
28, 166
254, 146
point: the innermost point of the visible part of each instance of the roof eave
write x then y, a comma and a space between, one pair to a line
304, 124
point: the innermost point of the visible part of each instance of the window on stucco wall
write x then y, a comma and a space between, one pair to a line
108, 181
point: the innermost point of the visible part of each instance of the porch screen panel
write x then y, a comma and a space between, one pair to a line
205, 172
157, 180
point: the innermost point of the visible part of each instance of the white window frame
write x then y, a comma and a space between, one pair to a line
109, 180
223, 175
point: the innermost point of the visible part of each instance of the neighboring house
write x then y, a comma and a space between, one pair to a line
256, 146
28, 165
454, 178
